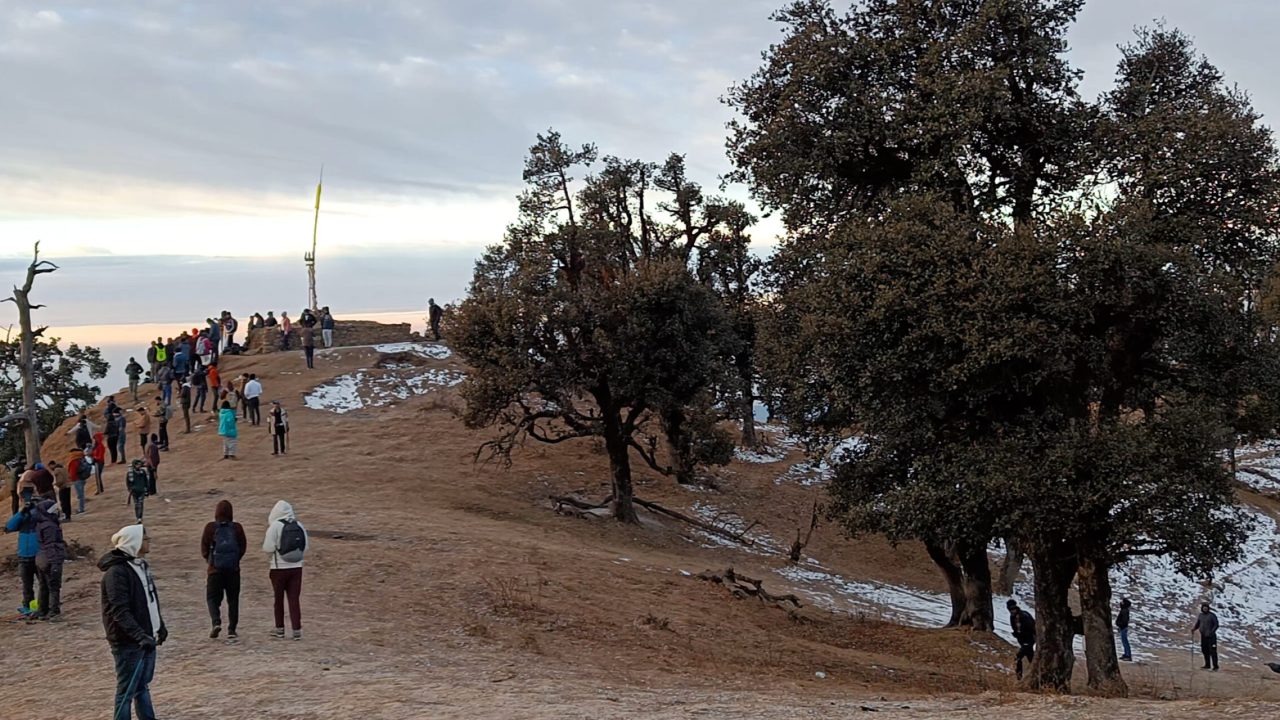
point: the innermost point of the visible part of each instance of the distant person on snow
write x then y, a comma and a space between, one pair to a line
227, 429
1024, 631
434, 314
286, 542
136, 482
326, 326
1207, 625
278, 424
134, 371
223, 544
131, 617
1122, 624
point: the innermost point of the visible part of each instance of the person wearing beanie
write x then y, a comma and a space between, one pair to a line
222, 545
1024, 631
49, 558
1122, 624
42, 480
131, 617
286, 540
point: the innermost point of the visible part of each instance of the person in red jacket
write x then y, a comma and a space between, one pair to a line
222, 545
99, 456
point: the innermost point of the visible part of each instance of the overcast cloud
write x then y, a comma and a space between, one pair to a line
157, 126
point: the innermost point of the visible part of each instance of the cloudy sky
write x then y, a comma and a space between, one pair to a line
161, 127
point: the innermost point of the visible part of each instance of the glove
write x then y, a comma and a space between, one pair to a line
162, 635
147, 643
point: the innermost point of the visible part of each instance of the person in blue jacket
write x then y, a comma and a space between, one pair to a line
24, 524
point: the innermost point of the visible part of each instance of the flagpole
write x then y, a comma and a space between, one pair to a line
311, 256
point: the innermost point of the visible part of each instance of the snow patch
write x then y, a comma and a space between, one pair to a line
426, 350
819, 471
753, 456
365, 388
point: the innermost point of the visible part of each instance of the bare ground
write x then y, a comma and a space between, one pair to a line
440, 588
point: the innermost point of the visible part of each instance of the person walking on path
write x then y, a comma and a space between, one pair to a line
23, 522
49, 559
200, 386
153, 465
1122, 624
144, 426
326, 326
113, 436
134, 371
122, 438
132, 620
222, 545
99, 456
308, 336
286, 542
227, 429
278, 425
62, 485
434, 314
136, 482
253, 396
80, 469
184, 401
1207, 625
1024, 631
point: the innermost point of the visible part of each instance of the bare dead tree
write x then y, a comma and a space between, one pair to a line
29, 417
801, 542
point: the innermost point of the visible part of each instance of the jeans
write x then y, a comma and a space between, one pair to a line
121, 441
328, 337
133, 388
310, 352
166, 392
97, 474
255, 416
136, 667
138, 502
277, 441
1209, 648
27, 570
202, 394
224, 582
79, 488
50, 575
1124, 643
288, 583
164, 435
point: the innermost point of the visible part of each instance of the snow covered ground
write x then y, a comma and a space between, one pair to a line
393, 383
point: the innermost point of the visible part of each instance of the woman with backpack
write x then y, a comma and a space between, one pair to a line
223, 544
286, 541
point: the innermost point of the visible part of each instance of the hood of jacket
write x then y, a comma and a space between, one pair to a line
223, 512
282, 511
111, 559
128, 540
47, 510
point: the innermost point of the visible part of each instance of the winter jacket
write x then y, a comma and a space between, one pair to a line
271, 541
125, 614
49, 534
144, 421
24, 524
153, 455
1122, 619
164, 376
215, 331
1024, 626
221, 514
99, 452
60, 478
1207, 624
152, 352
308, 335
279, 423
326, 322
137, 482
227, 423
214, 378
181, 361
73, 465
133, 370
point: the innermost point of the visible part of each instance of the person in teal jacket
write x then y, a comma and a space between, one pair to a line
28, 545
227, 429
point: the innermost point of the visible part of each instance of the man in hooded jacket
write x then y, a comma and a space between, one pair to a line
286, 570
222, 545
131, 617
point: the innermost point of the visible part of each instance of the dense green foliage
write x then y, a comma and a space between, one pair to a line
61, 389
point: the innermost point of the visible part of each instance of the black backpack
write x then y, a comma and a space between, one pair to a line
85, 470
293, 541
225, 553
83, 438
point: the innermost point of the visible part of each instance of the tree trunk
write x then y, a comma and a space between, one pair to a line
22, 298
1094, 583
748, 404
615, 443
679, 446
1054, 565
978, 613
955, 581
1007, 576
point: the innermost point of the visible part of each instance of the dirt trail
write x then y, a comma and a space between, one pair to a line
438, 588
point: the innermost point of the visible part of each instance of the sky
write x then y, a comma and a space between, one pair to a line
151, 141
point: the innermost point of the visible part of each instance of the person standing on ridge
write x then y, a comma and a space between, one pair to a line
1024, 631
215, 336
278, 424
23, 522
62, 484
99, 457
253, 396
308, 335
184, 401
79, 469
113, 435
134, 371
152, 362
227, 429
1207, 625
434, 314
153, 465
83, 432
286, 329
326, 326
122, 437
223, 544
164, 411
49, 559
164, 379
200, 386
131, 617
144, 426
214, 381
286, 542
136, 482
229, 327
1122, 624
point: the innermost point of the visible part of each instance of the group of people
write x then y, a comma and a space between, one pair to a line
305, 329
1023, 626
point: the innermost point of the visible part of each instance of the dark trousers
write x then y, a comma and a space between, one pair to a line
435, 329
135, 668
164, 434
186, 416
224, 582
50, 575
1208, 648
13, 495
138, 502
124, 440
144, 441
1027, 651
64, 501
202, 394
27, 571
310, 351
255, 416
278, 441
97, 476
151, 481
113, 446
288, 584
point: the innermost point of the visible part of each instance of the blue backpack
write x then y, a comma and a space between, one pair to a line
225, 554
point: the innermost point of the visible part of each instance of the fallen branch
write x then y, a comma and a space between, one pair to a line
799, 545
708, 527
742, 586
1260, 473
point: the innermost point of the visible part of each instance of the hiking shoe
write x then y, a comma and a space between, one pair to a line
217, 629
232, 637
278, 633
57, 618
297, 635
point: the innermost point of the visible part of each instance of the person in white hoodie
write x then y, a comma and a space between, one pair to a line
131, 617
286, 542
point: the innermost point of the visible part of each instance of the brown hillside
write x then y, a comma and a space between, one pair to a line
436, 587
